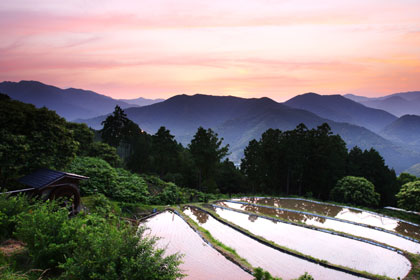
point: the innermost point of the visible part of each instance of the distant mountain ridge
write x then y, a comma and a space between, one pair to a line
341, 109
239, 120
141, 101
69, 103
398, 104
404, 130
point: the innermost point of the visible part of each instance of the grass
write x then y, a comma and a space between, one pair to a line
414, 273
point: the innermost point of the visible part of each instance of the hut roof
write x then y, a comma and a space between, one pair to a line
45, 177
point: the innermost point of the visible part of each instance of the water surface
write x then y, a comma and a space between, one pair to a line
259, 255
339, 212
352, 229
332, 248
200, 261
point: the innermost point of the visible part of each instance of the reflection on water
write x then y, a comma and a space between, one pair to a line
364, 232
344, 213
200, 261
332, 248
258, 255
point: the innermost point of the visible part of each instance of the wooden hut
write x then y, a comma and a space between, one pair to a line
51, 184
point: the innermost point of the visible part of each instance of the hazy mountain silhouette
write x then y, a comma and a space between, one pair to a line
141, 101
341, 109
69, 103
404, 130
399, 104
239, 120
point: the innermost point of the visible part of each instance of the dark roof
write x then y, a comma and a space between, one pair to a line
45, 177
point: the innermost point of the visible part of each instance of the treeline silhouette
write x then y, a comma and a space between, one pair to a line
301, 161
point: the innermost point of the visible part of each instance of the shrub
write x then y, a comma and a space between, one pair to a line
409, 196
10, 208
102, 176
48, 233
92, 247
104, 252
261, 274
355, 190
130, 187
99, 204
306, 276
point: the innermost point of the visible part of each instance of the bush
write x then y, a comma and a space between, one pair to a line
48, 233
130, 187
99, 204
92, 247
261, 274
409, 196
104, 252
355, 190
306, 276
10, 208
102, 177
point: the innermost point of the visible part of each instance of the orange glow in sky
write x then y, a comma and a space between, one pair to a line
248, 48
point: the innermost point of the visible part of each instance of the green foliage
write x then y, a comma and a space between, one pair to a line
92, 247
105, 152
130, 187
99, 204
10, 208
104, 252
116, 183
409, 196
355, 190
306, 276
296, 161
405, 178
207, 151
32, 138
261, 274
370, 164
114, 127
103, 178
48, 233
6, 273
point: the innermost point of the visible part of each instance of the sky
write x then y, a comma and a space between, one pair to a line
246, 48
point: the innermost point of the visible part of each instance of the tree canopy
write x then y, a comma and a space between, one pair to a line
409, 196
207, 151
355, 190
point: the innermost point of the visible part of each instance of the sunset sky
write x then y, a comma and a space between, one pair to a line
248, 48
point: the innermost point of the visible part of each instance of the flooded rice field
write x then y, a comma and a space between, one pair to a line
259, 255
200, 261
344, 213
328, 223
325, 246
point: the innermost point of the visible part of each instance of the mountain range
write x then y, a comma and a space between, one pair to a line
398, 104
239, 120
69, 103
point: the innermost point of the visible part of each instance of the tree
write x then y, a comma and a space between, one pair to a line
164, 151
114, 127
405, 178
371, 165
32, 138
355, 190
409, 196
207, 151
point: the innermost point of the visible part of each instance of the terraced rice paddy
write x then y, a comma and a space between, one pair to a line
280, 264
304, 233
339, 212
200, 261
330, 223
325, 246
